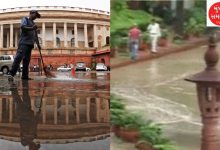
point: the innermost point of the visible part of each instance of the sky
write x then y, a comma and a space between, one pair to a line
95, 4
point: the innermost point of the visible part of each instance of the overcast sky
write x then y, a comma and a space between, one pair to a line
96, 4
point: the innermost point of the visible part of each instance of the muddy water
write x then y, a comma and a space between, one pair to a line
157, 90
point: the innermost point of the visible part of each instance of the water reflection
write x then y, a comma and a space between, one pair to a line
27, 119
40, 114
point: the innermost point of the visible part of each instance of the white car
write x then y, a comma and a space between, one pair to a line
6, 62
64, 68
101, 67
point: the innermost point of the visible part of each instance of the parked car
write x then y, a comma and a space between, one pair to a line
6, 62
63, 68
80, 66
88, 69
101, 67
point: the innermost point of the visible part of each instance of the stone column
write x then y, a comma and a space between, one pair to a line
95, 36
76, 35
11, 35
10, 110
16, 38
67, 110
7, 40
65, 35
107, 110
43, 34
77, 111
86, 35
55, 110
97, 101
54, 35
1, 37
88, 109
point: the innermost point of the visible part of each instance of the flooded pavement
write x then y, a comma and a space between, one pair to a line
157, 90
53, 114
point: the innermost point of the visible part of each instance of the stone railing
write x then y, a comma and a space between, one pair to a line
66, 8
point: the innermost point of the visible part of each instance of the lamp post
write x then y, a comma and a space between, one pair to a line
208, 92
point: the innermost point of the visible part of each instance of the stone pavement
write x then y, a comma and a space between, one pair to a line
118, 144
122, 60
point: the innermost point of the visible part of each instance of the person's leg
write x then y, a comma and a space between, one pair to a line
17, 60
26, 61
136, 50
154, 43
131, 49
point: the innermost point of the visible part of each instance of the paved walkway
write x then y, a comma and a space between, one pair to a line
123, 59
118, 144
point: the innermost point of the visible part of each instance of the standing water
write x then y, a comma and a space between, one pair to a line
58, 113
157, 90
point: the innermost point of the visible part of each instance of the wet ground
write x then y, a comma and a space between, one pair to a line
157, 90
65, 112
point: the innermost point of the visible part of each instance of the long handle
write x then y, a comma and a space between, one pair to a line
37, 41
41, 58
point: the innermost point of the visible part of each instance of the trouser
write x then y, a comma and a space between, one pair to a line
23, 53
154, 39
134, 45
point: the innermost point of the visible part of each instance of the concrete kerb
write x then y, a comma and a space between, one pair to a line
183, 47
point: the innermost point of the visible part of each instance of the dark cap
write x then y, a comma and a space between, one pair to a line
36, 12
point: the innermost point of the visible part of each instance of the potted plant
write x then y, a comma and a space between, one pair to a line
145, 43
130, 127
151, 138
190, 28
144, 145
177, 39
163, 41
117, 110
117, 120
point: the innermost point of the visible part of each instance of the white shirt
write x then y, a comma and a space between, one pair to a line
154, 29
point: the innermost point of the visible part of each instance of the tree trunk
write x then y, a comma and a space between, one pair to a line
179, 17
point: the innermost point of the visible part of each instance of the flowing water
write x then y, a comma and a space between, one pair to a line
157, 89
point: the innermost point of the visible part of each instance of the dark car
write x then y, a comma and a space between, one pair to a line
80, 66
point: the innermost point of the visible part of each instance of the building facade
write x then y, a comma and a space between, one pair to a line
67, 34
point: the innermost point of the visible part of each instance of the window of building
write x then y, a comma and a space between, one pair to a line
99, 27
107, 40
57, 31
107, 28
72, 32
72, 42
58, 42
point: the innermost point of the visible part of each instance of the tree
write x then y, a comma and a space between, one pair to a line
179, 20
